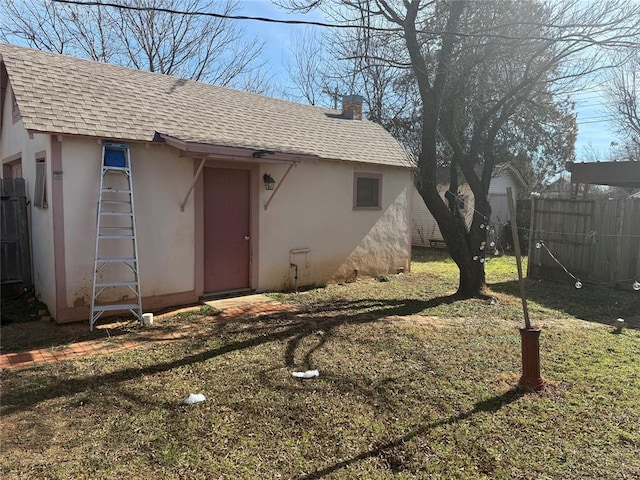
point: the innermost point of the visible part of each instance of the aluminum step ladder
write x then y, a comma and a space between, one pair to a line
116, 274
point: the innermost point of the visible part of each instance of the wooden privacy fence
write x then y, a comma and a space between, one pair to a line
595, 240
15, 255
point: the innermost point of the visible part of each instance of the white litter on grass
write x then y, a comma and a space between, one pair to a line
193, 398
307, 374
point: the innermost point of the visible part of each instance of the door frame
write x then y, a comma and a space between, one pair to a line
198, 197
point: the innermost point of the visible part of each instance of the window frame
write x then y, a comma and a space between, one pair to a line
40, 189
368, 175
9, 166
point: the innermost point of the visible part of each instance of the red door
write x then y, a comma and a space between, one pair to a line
226, 229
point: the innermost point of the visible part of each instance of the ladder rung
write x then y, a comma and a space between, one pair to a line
117, 260
116, 236
106, 168
117, 284
105, 200
115, 190
118, 214
123, 306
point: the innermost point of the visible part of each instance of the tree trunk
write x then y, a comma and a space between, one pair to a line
472, 279
466, 252
465, 246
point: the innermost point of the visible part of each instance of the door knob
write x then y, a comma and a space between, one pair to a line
246, 237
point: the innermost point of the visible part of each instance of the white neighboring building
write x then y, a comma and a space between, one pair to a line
424, 228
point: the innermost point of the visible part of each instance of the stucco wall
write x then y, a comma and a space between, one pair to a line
14, 140
165, 234
313, 209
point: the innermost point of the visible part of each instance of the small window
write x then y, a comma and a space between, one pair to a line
40, 195
367, 191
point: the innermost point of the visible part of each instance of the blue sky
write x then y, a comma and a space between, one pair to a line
594, 131
278, 38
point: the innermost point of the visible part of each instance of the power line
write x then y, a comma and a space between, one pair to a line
231, 17
588, 98
571, 38
594, 117
588, 122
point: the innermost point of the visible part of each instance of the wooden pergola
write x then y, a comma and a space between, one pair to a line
613, 174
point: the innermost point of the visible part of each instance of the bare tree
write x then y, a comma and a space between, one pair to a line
492, 79
207, 49
38, 24
327, 65
624, 99
306, 67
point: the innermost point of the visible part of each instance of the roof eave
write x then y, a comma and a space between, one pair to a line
206, 150
517, 174
615, 174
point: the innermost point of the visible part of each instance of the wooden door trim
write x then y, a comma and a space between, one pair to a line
254, 184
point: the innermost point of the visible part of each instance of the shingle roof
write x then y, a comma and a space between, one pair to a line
67, 95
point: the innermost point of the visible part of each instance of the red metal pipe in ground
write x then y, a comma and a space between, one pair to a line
531, 378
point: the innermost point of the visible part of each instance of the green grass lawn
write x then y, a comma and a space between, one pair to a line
411, 385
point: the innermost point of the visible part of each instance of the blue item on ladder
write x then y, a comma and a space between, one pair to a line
114, 158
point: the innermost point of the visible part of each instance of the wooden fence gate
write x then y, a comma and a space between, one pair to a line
15, 254
595, 240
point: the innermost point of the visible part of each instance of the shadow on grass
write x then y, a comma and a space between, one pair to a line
234, 335
381, 307
361, 310
18, 399
591, 303
490, 405
260, 332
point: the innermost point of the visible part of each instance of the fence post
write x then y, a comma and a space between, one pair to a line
516, 245
620, 217
530, 336
532, 221
635, 207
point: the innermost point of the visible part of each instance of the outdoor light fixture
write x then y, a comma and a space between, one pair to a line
269, 182
262, 153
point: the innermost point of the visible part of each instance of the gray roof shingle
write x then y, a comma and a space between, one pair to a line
67, 95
